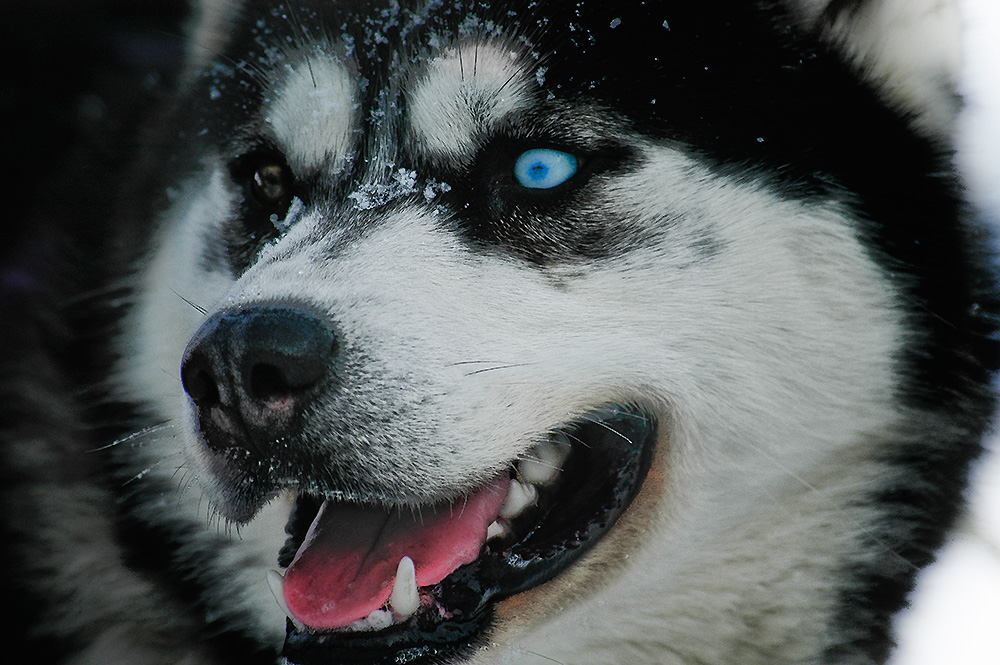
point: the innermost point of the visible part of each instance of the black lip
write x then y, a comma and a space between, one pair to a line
612, 452
422, 642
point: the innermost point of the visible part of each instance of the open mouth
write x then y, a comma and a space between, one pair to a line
370, 585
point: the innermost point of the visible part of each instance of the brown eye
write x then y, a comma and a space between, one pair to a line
271, 184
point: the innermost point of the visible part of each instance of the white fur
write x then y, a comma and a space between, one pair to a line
208, 33
768, 364
312, 113
174, 290
464, 92
911, 48
792, 283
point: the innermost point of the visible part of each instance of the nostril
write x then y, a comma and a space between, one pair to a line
286, 352
200, 383
268, 382
287, 371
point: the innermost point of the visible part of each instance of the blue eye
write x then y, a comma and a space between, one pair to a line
543, 168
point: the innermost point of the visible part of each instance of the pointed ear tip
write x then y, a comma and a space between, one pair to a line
912, 50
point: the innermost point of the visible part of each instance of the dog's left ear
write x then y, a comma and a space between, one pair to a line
911, 49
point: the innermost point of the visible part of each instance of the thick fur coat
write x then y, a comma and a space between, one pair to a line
646, 333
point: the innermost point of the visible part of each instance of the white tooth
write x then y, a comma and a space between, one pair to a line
405, 600
276, 581
494, 530
544, 461
560, 445
533, 471
519, 497
380, 619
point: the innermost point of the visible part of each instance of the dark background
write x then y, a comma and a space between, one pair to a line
77, 78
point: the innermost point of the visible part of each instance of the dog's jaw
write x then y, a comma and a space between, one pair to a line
556, 504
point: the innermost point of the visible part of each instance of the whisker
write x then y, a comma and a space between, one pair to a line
495, 364
601, 423
577, 439
538, 461
142, 474
302, 35
138, 435
472, 362
475, 54
509, 80
197, 307
542, 656
122, 286
491, 369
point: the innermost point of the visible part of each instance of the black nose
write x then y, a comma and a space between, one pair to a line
253, 367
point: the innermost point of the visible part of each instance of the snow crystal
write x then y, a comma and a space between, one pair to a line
540, 76
294, 212
433, 188
404, 181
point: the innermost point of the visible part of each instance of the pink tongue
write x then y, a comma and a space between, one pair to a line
346, 567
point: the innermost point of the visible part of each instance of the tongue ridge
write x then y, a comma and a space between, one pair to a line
345, 568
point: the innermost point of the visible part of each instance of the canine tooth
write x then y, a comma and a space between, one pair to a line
519, 497
380, 619
276, 581
405, 600
494, 530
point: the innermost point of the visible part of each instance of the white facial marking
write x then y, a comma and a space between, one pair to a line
463, 93
312, 113
211, 20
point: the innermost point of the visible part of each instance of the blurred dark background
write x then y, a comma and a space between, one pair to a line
77, 79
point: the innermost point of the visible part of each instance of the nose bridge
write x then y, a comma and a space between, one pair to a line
381, 173
382, 169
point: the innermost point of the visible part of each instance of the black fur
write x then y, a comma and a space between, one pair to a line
739, 85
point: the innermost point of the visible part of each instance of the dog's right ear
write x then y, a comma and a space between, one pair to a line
207, 31
911, 49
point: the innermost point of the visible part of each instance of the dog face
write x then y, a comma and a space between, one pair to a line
538, 344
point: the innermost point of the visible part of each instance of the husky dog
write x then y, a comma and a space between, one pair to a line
509, 332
